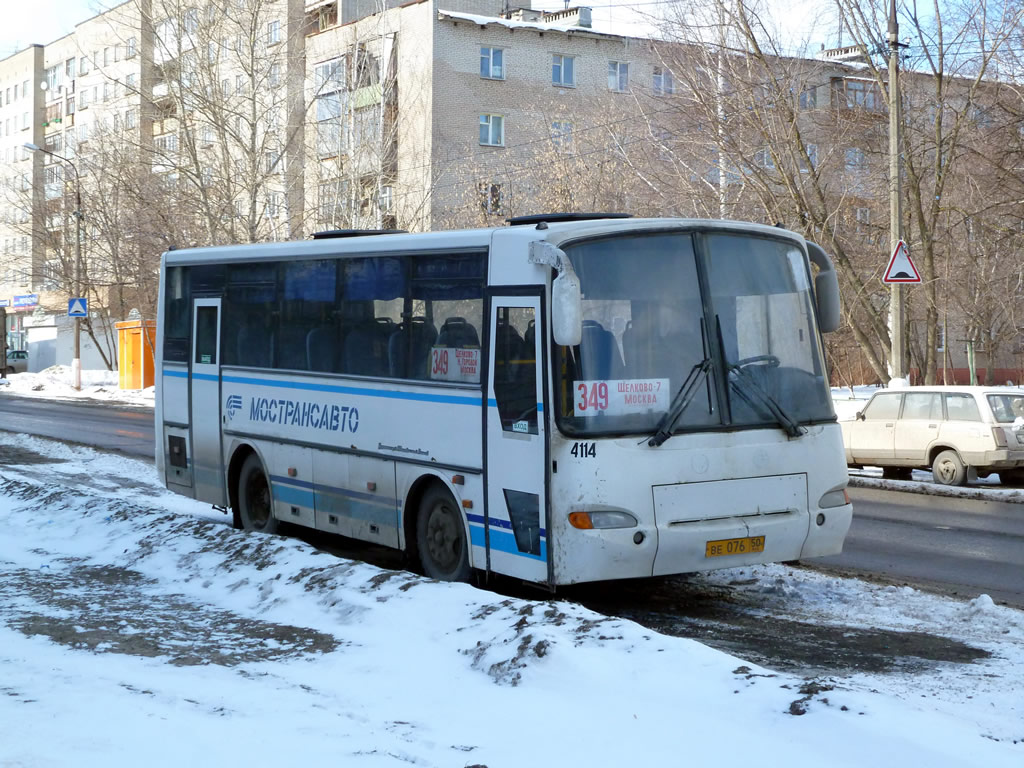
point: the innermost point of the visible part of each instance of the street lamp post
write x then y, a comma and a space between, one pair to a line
76, 362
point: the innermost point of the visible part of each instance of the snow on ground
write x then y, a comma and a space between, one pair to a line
54, 383
136, 625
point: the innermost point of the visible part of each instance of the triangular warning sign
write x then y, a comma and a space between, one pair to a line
901, 269
77, 307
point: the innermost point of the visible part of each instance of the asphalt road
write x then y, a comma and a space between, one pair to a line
125, 429
954, 545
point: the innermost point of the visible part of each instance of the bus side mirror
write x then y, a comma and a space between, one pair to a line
567, 308
860, 416
566, 295
826, 289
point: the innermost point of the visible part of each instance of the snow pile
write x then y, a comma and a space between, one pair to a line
135, 624
54, 383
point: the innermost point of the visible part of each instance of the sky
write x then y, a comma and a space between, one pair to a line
25, 22
43, 21
137, 626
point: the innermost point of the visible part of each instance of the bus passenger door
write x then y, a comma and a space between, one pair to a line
515, 522
204, 402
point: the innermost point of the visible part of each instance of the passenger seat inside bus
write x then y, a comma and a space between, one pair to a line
457, 332
409, 348
366, 348
254, 345
322, 349
598, 354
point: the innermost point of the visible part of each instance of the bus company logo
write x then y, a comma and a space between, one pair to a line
304, 413
233, 404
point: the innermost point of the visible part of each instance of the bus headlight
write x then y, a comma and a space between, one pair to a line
605, 518
836, 498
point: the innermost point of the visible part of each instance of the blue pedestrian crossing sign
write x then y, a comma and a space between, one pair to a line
78, 307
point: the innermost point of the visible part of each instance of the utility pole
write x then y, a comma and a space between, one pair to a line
896, 315
76, 362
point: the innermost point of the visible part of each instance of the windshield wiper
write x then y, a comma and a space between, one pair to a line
683, 397
750, 390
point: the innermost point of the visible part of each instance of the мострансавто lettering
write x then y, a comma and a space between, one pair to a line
302, 413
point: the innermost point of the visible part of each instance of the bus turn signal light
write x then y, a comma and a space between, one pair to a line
580, 520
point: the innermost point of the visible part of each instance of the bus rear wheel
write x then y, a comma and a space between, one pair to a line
255, 502
441, 537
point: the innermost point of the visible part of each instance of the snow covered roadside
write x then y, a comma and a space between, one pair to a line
54, 383
136, 625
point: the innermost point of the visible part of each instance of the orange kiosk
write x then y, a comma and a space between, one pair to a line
136, 340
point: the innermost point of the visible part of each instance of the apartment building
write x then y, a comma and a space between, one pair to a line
22, 254
212, 121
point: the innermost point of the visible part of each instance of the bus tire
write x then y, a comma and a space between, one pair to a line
255, 501
441, 537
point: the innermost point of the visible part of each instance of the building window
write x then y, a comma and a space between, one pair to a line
69, 69
860, 93
561, 135
863, 220
239, 84
273, 32
275, 75
563, 71
856, 162
166, 143
763, 159
329, 82
812, 155
52, 78
490, 197
273, 159
492, 64
492, 130
664, 82
129, 48
83, 65
809, 98
129, 119
618, 76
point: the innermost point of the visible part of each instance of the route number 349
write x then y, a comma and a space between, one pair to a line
592, 398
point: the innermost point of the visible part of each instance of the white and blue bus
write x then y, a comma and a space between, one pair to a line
562, 400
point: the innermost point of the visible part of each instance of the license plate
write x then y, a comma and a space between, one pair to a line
734, 546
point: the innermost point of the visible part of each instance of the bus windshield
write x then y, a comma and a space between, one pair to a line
723, 320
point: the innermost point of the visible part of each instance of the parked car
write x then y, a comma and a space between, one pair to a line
17, 361
958, 432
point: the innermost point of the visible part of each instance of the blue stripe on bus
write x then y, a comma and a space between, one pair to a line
425, 398
479, 520
330, 489
502, 541
391, 395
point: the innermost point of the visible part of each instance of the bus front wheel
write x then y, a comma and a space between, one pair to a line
255, 502
441, 537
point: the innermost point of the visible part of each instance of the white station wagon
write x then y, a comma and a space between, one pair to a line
959, 432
